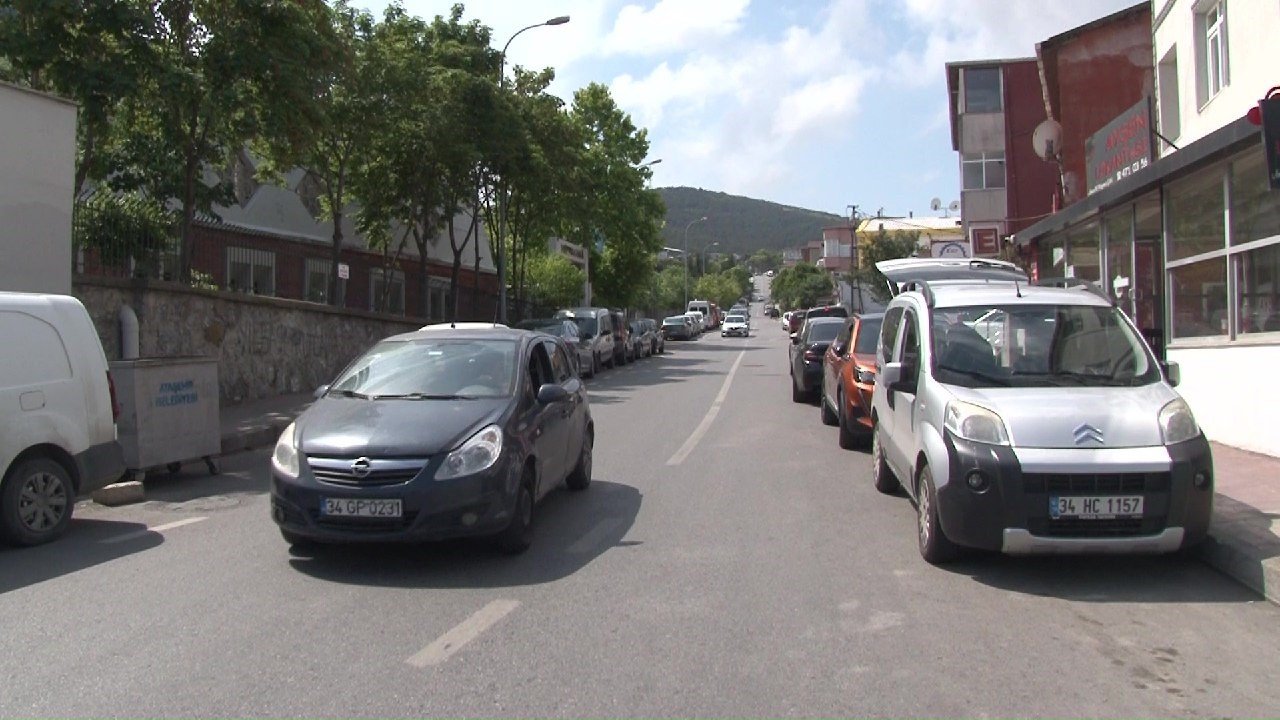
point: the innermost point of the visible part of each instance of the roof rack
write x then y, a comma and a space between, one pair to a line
920, 285
1071, 282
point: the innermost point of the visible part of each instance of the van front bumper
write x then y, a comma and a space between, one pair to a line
1010, 513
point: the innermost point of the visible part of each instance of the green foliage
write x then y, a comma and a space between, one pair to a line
666, 290
558, 281
741, 225
801, 286
118, 228
883, 246
765, 260
722, 289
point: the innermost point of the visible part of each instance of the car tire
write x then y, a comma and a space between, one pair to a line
935, 547
828, 417
797, 395
881, 473
848, 438
518, 535
36, 502
580, 477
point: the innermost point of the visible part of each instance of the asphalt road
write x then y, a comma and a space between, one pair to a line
745, 568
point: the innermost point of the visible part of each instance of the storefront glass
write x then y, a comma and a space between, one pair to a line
1050, 257
1255, 208
1257, 275
1119, 281
1198, 292
1083, 245
1196, 215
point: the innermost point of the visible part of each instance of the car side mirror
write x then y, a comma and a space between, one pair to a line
552, 393
320, 391
838, 349
1171, 371
795, 338
890, 375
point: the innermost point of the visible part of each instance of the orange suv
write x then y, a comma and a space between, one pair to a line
849, 377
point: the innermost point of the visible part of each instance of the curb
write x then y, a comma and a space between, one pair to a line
253, 436
123, 493
1254, 571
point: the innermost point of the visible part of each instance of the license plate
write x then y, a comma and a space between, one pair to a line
352, 507
1098, 507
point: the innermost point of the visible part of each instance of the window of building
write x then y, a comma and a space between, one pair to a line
1170, 109
437, 298
1051, 257
982, 90
316, 280
1196, 219
1257, 275
1212, 71
983, 171
1255, 208
251, 271
1119, 280
386, 291
1085, 259
1198, 297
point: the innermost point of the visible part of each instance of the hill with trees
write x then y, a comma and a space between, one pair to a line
740, 224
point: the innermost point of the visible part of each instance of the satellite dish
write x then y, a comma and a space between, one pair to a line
955, 205
1047, 140
935, 204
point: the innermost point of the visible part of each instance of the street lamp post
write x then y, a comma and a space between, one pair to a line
705, 248
500, 260
686, 258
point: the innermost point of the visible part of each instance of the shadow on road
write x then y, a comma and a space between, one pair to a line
79, 549
572, 530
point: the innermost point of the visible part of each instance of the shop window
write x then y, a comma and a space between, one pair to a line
251, 271
316, 281
1196, 215
983, 171
1086, 260
1051, 257
386, 291
1119, 281
1255, 208
982, 90
1198, 293
1257, 275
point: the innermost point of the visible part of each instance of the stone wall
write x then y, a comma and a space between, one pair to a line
264, 346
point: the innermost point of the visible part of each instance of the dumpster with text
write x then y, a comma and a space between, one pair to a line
168, 412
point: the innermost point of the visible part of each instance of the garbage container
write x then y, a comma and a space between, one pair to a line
168, 412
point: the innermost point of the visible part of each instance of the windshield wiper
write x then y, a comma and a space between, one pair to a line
349, 393
975, 375
423, 396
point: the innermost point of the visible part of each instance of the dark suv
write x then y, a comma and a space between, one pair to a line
623, 353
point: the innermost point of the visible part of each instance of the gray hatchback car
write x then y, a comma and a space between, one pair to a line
1030, 419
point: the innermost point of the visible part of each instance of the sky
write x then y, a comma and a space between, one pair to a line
820, 104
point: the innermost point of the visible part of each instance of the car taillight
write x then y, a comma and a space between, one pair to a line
810, 355
115, 404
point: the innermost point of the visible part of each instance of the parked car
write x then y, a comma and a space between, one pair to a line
807, 350
567, 330
849, 377
678, 327
742, 310
699, 321
623, 350
659, 340
58, 415
794, 321
735, 324
641, 340
710, 313
433, 435
596, 324
1071, 439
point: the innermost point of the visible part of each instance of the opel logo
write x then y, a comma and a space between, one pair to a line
360, 467
1088, 433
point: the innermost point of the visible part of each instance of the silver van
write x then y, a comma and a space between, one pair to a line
595, 323
1026, 418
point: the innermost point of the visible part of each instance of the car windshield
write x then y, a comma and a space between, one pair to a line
823, 332
1039, 346
736, 319
868, 336
586, 326
431, 368
674, 320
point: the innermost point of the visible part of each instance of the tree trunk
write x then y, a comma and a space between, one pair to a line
335, 259
455, 271
188, 218
424, 298
82, 168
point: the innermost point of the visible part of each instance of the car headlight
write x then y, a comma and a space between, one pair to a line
285, 456
476, 454
866, 377
1177, 424
976, 423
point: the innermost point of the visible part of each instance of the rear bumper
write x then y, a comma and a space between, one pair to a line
99, 466
1021, 542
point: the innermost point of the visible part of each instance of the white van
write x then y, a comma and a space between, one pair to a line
57, 415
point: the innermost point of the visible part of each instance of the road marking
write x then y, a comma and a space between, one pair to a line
705, 425
464, 632
158, 528
594, 536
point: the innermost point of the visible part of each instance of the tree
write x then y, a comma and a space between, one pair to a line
224, 71
884, 245
720, 288
765, 260
801, 286
558, 281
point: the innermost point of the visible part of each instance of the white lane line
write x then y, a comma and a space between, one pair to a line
594, 536
705, 425
158, 528
464, 632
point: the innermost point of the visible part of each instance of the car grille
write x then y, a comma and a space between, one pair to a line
375, 472
1076, 527
1095, 483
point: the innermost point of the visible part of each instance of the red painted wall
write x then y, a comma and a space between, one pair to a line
1031, 180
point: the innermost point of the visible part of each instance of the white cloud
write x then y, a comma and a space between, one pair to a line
673, 26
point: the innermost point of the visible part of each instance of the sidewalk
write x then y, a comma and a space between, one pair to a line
1244, 540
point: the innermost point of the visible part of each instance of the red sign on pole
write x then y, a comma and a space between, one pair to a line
985, 241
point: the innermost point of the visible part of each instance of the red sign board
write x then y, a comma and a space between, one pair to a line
986, 241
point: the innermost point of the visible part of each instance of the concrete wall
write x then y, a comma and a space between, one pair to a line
264, 346
1252, 28
1230, 392
38, 155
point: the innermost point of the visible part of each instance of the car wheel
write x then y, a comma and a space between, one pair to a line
797, 395
828, 417
518, 535
848, 439
880, 470
935, 548
36, 502
580, 478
